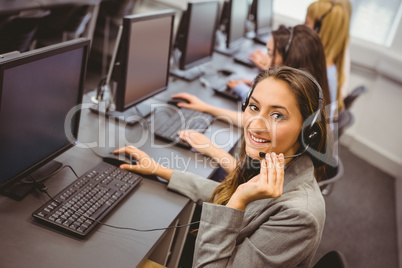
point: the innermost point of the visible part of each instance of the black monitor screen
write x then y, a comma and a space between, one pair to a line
237, 21
263, 16
196, 37
144, 54
38, 89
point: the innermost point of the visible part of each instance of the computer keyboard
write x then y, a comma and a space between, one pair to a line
244, 60
219, 86
87, 200
171, 121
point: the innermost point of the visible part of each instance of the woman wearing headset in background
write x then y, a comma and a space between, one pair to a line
268, 216
297, 47
331, 19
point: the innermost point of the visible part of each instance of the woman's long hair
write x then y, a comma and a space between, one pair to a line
306, 95
305, 52
334, 34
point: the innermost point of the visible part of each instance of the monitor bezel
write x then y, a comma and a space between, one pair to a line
185, 22
262, 30
38, 54
124, 47
234, 43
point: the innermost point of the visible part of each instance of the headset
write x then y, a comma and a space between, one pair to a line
309, 135
318, 22
287, 47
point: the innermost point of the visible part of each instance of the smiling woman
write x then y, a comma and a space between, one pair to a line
272, 124
272, 212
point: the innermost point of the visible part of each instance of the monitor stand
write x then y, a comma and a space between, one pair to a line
188, 75
19, 189
262, 39
130, 116
221, 45
227, 51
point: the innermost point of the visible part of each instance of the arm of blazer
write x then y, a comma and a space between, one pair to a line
197, 188
288, 238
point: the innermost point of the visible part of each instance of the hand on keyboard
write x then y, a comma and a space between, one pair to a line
260, 59
233, 83
205, 146
194, 103
197, 140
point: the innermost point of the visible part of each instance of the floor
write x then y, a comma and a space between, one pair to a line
361, 220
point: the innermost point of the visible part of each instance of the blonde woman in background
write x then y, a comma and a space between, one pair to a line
331, 19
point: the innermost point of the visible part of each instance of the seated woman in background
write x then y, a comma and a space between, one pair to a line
268, 212
330, 19
298, 47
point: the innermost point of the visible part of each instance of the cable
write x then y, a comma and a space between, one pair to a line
144, 230
42, 187
139, 112
93, 151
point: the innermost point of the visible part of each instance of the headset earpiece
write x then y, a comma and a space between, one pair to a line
247, 100
317, 25
310, 135
318, 22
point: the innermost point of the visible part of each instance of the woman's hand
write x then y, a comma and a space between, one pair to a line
197, 140
145, 164
260, 59
194, 102
233, 83
268, 184
205, 146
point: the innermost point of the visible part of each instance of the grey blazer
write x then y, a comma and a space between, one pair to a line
274, 232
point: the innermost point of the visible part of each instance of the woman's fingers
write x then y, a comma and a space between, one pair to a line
272, 174
271, 168
131, 150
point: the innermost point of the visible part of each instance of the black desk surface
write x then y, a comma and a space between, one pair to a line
25, 243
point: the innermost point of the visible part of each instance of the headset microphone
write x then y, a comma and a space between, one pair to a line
262, 154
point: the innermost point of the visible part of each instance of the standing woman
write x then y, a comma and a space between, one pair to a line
331, 19
267, 216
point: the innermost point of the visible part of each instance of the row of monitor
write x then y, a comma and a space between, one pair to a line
41, 90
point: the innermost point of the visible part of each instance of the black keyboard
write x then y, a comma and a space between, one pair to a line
244, 60
89, 198
171, 121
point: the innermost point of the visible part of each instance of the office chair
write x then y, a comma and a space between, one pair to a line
332, 259
333, 174
352, 96
18, 31
65, 23
345, 117
344, 121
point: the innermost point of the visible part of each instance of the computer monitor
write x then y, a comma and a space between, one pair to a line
38, 89
262, 14
232, 26
141, 68
195, 38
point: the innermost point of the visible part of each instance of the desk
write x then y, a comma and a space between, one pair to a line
26, 243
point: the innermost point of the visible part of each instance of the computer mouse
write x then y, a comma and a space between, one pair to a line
117, 160
225, 72
175, 101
